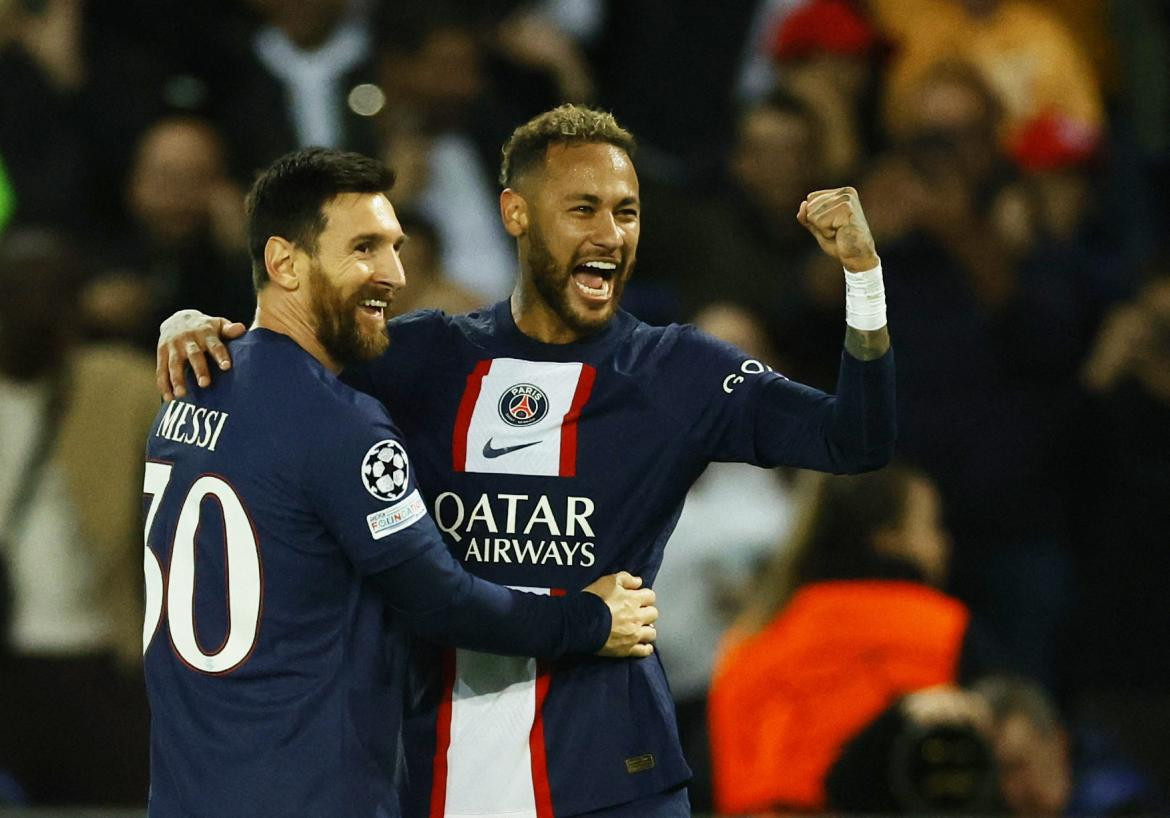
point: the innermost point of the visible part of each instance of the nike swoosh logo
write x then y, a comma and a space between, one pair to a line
490, 451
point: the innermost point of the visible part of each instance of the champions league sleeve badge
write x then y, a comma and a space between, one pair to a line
385, 470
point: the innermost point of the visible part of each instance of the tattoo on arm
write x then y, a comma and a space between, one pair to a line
867, 345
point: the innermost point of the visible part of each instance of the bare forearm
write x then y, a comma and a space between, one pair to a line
867, 345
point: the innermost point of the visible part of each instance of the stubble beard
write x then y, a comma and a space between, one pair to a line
338, 330
552, 283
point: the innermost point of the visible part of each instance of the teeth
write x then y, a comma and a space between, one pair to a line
601, 265
597, 292
370, 302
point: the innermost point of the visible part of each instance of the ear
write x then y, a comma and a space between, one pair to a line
514, 212
280, 262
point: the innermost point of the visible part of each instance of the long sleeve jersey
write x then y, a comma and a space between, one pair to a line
546, 466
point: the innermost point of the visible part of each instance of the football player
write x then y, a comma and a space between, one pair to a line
288, 551
555, 437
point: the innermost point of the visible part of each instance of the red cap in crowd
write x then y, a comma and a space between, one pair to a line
824, 27
1052, 141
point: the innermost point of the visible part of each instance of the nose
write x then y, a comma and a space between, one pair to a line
607, 234
389, 271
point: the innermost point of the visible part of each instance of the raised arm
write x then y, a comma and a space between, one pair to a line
837, 222
750, 413
185, 338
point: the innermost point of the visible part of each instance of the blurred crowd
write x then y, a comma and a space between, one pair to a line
997, 617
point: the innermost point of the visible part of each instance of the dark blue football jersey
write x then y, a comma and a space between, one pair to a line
546, 466
282, 515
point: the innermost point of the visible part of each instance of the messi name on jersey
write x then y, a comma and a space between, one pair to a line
194, 425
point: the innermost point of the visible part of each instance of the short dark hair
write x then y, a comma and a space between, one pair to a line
288, 197
564, 125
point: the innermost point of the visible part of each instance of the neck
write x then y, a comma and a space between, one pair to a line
279, 312
536, 319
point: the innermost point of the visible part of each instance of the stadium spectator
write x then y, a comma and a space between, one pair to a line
929, 753
428, 286
829, 53
185, 239
41, 131
443, 111
757, 73
847, 618
1119, 480
72, 710
998, 746
295, 69
683, 102
1022, 50
743, 236
540, 37
457, 75
992, 431
1047, 769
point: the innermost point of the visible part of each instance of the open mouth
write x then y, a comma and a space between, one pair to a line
374, 308
594, 280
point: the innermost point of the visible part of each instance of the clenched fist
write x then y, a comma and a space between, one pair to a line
837, 222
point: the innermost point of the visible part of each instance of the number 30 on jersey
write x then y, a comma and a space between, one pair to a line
177, 590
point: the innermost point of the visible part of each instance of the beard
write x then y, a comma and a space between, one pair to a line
336, 319
552, 282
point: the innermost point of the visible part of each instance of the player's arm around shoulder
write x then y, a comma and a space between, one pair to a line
189, 338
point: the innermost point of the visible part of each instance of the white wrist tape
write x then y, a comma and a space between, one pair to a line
865, 299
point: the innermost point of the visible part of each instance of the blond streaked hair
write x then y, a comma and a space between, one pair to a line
566, 124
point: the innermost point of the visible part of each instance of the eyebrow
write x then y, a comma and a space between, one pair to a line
596, 200
376, 238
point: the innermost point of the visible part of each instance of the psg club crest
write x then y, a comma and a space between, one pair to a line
523, 405
385, 469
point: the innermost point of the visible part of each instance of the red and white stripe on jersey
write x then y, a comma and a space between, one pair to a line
485, 442
490, 752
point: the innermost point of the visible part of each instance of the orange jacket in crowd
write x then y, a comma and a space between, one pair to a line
785, 700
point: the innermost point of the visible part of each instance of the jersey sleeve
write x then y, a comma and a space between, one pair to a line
362, 486
743, 411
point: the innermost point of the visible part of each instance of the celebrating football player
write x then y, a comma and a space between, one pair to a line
554, 437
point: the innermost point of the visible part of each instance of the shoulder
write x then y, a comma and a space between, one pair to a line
425, 326
433, 333
428, 336
285, 384
339, 408
418, 321
668, 348
332, 428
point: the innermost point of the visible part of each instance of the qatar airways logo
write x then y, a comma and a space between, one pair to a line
519, 528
